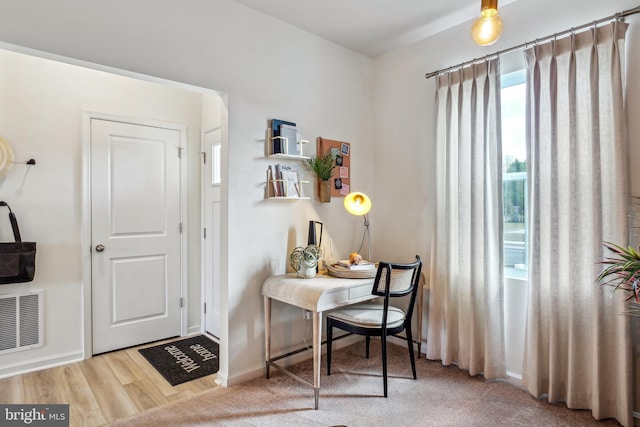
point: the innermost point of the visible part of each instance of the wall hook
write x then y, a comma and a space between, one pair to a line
28, 162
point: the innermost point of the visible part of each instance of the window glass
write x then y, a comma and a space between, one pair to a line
514, 173
215, 164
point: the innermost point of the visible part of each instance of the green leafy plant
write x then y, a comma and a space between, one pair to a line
622, 271
322, 166
308, 256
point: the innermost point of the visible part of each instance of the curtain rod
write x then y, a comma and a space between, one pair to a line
616, 16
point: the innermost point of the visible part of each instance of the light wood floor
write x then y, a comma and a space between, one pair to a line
102, 389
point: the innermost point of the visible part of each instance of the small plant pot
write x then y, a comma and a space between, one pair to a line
304, 260
306, 272
325, 191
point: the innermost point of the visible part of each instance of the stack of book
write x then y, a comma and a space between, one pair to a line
363, 265
285, 181
285, 138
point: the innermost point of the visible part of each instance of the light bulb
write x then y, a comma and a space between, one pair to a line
357, 203
486, 29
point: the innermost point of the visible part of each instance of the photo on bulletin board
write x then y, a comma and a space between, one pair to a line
341, 180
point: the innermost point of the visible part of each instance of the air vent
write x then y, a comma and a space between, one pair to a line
20, 321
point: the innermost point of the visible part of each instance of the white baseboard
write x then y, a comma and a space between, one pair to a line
194, 330
42, 363
258, 371
513, 378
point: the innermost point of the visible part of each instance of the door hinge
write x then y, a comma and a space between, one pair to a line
180, 227
205, 308
181, 302
204, 232
180, 152
204, 157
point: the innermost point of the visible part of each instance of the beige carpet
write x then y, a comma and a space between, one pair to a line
352, 396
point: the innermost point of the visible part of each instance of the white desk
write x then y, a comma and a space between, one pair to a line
318, 294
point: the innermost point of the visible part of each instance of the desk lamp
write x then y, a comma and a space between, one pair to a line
359, 204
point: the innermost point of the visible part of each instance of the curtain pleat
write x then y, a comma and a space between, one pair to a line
577, 345
466, 321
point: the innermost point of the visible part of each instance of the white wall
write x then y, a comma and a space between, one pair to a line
405, 138
41, 105
267, 69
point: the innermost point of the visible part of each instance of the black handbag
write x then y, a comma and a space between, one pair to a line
18, 259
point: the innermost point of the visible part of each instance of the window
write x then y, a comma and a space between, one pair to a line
215, 164
514, 174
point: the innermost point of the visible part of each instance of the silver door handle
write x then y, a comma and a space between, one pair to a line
99, 248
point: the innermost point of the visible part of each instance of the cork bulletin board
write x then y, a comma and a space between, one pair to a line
341, 179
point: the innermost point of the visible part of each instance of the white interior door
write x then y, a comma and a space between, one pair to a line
211, 146
136, 244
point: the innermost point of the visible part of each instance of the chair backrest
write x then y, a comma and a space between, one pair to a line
397, 280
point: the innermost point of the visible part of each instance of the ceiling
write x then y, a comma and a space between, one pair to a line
371, 27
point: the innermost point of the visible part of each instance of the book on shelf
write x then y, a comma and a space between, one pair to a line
364, 265
290, 181
277, 143
272, 182
278, 180
292, 135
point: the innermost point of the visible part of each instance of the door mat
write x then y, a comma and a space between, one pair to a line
184, 360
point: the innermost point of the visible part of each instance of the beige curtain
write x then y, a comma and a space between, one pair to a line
577, 342
466, 297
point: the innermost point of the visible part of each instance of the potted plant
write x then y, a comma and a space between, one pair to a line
622, 272
305, 260
323, 167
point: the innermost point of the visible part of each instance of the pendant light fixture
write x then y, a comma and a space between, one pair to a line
486, 29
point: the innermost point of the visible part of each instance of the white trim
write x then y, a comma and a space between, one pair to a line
513, 378
87, 329
87, 116
184, 220
33, 365
195, 330
99, 67
203, 188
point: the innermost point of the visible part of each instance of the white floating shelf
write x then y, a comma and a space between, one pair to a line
288, 199
289, 156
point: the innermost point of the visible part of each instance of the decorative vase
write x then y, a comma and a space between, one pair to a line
304, 260
325, 191
305, 271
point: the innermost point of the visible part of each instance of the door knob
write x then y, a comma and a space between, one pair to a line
99, 248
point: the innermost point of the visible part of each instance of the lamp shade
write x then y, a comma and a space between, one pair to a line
487, 28
357, 203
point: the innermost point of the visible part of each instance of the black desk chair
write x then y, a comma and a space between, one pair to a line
380, 320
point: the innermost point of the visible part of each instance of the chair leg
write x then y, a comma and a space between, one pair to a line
383, 340
329, 338
368, 340
410, 343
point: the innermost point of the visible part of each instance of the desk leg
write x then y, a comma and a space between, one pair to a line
420, 296
267, 334
317, 352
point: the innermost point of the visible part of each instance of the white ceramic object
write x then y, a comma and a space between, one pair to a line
306, 272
